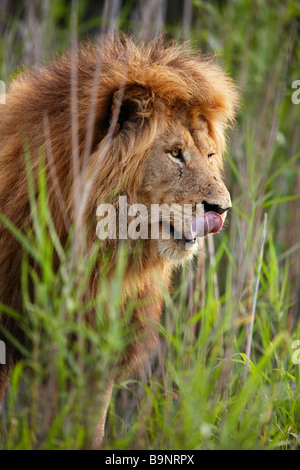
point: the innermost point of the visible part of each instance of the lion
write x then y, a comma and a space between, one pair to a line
150, 123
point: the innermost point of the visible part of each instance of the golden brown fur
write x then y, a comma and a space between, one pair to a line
147, 99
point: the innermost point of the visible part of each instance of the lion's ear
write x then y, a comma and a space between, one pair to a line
132, 104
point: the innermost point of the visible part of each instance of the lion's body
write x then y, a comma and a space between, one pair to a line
144, 101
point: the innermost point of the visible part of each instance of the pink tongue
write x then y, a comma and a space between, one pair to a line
210, 222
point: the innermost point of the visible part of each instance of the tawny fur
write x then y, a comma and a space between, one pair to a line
147, 99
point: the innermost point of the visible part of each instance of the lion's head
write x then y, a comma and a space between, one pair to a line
182, 172
167, 115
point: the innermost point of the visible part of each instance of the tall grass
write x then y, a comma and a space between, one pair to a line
200, 390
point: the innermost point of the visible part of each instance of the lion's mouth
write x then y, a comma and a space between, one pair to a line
202, 225
209, 222
190, 239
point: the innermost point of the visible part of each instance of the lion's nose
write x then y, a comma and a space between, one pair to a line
215, 207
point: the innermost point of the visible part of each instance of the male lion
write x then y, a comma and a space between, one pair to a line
149, 125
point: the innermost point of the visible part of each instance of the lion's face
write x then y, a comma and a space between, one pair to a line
183, 168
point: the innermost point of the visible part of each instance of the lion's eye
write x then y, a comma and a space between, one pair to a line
211, 153
178, 154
